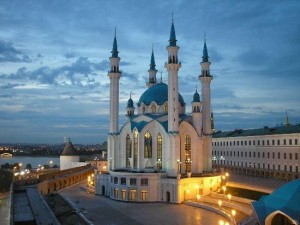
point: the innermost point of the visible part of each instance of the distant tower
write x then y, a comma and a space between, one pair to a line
205, 79
286, 120
212, 122
114, 75
68, 156
130, 107
173, 67
196, 113
152, 72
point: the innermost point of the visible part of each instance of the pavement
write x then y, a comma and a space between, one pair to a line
105, 211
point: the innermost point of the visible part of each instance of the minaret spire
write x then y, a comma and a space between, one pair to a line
205, 52
152, 71
172, 33
114, 52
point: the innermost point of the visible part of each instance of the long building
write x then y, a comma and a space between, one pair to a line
266, 152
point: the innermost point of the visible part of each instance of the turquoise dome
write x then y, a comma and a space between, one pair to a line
130, 103
159, 94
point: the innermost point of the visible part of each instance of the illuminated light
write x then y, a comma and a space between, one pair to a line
220, 203
198, 197
221, 222
188, 191
229, 197
227, 174
223, 177
233, 212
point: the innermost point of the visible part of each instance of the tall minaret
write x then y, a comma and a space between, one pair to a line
112, 141
114, 75
205, 79
173, 66
152, 71
197, 113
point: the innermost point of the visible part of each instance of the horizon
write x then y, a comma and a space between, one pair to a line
54, 62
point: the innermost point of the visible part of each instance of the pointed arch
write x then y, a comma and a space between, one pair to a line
159, 151
188, 156
128, 150
147, 145
135, 148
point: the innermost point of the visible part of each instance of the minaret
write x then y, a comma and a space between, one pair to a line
286, 120
205, 79
196, 113
152, 72
173, 66
212, 122
130, 107
114, 75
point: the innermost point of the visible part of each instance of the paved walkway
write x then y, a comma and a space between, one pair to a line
254, 183
102, 210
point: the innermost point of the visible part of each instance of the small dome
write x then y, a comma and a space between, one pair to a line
69, 149
159, 94
196, 97
130, 103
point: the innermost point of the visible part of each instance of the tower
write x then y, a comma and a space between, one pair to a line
196, 112
212, 122
205, 79
130, 107
152, 71
173, 67
114, 75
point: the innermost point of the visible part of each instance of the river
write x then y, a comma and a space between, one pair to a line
33, 160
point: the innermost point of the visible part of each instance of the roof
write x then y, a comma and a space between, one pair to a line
196, 97
159, 94
69, 149
285, 199
259, 132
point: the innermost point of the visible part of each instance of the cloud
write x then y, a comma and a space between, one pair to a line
69, 55
8, 53
80, 73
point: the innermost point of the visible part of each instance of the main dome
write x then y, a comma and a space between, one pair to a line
159, 94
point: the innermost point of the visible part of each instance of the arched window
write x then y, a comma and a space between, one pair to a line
187, 148
159, 152
135, 148
153, 108
165, 107
148, 146
128, 150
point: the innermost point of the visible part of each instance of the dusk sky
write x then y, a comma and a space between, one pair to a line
54, 62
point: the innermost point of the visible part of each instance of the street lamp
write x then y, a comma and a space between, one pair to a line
229, 197
178, 166
224, 189
220, 203
198, 198
158, 164
233, 212
221, 222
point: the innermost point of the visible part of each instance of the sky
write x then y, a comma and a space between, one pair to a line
54, 62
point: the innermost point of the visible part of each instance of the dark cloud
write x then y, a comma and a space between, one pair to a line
69, 55
8, 53
79, 73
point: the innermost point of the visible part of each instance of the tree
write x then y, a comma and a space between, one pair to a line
28, 166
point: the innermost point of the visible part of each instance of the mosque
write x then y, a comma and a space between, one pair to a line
161, 153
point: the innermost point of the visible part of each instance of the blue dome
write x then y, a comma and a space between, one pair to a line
196, 97
130, 103
159, 94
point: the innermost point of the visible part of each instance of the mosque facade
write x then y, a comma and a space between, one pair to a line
161, 153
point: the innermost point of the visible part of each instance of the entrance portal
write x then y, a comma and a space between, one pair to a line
168, 196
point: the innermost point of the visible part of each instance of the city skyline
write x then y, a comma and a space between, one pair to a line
54, 62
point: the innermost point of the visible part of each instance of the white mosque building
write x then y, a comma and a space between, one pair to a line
161, 153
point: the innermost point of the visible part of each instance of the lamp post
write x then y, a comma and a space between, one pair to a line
233, 212
220, 203
224, 190
229, 197
198, 198
178, 166
159, 165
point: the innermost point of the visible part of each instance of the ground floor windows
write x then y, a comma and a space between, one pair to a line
115, 192
144, 195
123, 194
132, 195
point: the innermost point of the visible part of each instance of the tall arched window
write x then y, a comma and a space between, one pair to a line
187, 148
148, 146
128, 150
159, 152
135, 148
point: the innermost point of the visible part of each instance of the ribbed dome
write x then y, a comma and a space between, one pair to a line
196, 97
130, 103
159, 94
69, 149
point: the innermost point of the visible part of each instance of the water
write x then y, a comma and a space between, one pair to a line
33, 160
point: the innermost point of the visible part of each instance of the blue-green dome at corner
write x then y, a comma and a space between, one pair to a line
159, 94
130, 103
196, 97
